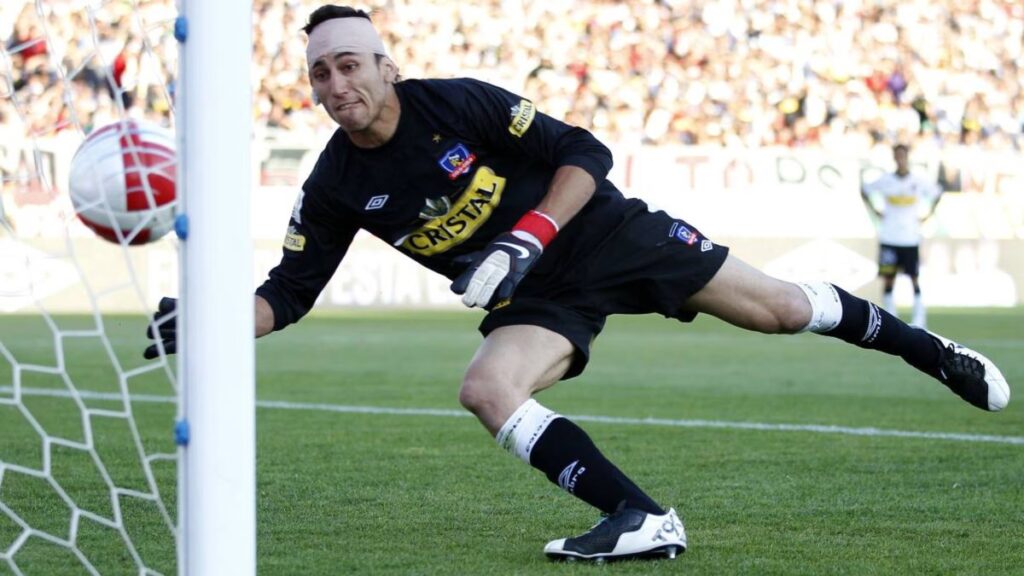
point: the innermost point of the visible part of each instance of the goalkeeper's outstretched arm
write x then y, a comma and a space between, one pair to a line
164, 326
264, 319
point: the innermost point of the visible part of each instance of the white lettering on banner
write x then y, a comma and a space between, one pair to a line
824, 259
379, 276
28, 275
949, 271
796, 212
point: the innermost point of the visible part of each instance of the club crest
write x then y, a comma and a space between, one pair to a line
457, 161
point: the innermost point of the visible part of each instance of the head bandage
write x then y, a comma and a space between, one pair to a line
343, 35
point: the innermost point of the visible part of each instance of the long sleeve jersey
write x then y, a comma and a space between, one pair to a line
467, 160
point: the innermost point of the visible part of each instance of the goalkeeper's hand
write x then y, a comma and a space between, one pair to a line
164, 324
494, 272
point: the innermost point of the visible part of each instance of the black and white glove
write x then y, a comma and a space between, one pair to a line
164, 324
494, 272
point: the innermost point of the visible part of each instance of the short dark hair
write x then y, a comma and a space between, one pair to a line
904, 147
330, 12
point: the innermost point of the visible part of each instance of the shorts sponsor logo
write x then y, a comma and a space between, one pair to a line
377, 202
706, 245
502, 303
457, 161
522, 117
682, 233
294, 241
467, 214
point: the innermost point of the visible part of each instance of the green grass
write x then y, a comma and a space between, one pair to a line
342, 493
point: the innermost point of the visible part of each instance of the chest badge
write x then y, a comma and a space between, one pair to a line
457, 161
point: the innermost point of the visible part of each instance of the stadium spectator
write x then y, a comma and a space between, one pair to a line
683, 72
514, 207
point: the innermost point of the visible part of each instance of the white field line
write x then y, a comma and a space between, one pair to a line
446, 413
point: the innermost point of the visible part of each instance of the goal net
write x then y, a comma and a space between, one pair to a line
93, 434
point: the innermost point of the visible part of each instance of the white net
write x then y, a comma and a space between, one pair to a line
88, 463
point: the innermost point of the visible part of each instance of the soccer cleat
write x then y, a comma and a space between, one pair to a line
627, 533
972, 376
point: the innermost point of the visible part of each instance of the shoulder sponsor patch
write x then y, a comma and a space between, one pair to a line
294, 241
522, 117
457, 161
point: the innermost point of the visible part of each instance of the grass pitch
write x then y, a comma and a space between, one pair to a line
420, 492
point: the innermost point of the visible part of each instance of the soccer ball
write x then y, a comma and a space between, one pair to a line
122, 182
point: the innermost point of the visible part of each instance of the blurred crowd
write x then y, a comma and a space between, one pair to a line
839, 74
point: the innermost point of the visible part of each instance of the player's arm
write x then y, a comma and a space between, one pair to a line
936, 195
263, 316
570, 190
313, 249
510, 123
316, 241
865, 194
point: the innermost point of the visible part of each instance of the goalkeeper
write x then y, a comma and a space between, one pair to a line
514, 207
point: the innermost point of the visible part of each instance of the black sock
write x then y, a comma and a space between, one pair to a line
569, 458
868, 326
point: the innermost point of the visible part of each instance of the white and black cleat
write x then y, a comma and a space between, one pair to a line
972, 376
628, 533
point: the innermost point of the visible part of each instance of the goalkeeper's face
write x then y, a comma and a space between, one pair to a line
354, 89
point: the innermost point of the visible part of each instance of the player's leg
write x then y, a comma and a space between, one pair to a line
887, 260
910, 263
919, 317
888, 300
746, 297
511, 365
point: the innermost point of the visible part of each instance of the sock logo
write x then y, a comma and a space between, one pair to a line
567, 479
874, 324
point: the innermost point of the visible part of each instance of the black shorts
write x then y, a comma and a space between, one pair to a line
649, 263
893, 259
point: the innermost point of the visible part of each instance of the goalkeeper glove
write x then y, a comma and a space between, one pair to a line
165, 327
494, 272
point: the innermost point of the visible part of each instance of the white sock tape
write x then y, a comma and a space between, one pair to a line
522, 430
826, 308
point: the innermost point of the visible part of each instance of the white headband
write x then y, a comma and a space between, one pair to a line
336, 35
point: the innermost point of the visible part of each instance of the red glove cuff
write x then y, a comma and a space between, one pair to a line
539, 225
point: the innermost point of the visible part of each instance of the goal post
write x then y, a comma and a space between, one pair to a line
217, 478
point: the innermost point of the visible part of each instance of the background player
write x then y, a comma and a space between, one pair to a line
909, 200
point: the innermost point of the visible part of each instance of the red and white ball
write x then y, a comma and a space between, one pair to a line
122, 181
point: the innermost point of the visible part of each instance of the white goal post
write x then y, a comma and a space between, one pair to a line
217, 477
111, 463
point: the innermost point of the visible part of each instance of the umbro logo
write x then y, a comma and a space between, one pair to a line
377, 202
568, 477
874, 324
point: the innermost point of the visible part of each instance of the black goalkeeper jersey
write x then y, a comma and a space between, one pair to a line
467, 160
